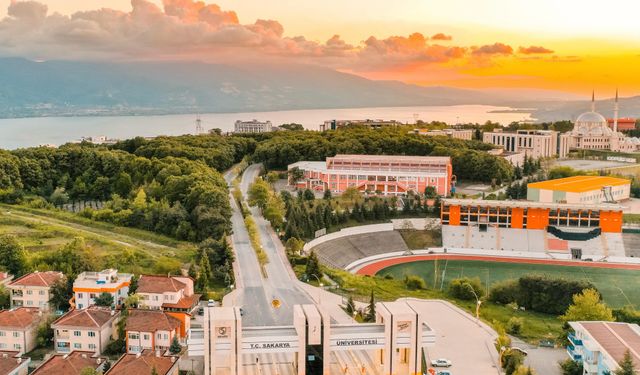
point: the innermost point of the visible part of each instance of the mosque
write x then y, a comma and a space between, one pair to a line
592, 132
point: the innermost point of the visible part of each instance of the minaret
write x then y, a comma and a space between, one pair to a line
616, 108
593, 101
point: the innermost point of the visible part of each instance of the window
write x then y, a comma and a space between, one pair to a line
29, 292
134, 336
159, 335
2, 333
3, 345
77, 345
145, 336
77, 333
80, 295
16, 334
17, 346
92, 346
92, 295
92, 334
165, 336
29, 303
41, 292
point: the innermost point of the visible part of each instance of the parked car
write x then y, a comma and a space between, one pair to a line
200, 311
444, 373
211, 303
441, 362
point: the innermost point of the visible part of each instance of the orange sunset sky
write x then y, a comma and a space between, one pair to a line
569, 45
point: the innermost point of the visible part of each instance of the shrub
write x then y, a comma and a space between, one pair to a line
514, 325
414, 282
465, 287
549, 295
505, 292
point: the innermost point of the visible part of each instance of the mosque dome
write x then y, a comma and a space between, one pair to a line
591, 117
591, 124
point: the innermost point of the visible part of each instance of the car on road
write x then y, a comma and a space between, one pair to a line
201, 311
211, 303
441, 362
444, 373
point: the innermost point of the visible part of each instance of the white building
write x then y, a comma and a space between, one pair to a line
90, 329
33, 289
580, 190
89, 285
465, 134
253, 126
533, 143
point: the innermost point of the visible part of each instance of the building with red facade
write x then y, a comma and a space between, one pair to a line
379, 174
624, 124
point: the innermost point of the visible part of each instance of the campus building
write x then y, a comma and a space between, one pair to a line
580, 190
89, 330
623, 124
533, 143
600, 346
373, 124
253, 126
465, 134
393, 345
576, 230
33, 289
89, 285
376, 174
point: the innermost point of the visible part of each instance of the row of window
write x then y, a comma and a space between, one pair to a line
15, 346
335, 177
15, 333
146, 336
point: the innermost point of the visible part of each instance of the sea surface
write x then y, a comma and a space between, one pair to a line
28, 132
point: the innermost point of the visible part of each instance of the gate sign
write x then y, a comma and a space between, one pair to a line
270, 347
357, 343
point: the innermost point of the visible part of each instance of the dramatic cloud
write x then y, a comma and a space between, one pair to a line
532, 50
441, 36
493, 49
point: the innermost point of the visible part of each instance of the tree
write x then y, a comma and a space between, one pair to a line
295, 174
59, 197
522, 370
44, 332
175, 347
587, 306
327, 195
104, 299
259, 193
294, 246
5, 298
511, 361
154, 371
61, 293
571, 367
514, 325
313, 266
351, 306
308, 195
413, 282
204, 275
371, 309
430, 192
12, 255
626, 365
466, 288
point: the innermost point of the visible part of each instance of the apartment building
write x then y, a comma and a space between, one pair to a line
172, 294
71, 364
89, 285
253, 126
600, 346
18, 329
534, 143
33, 290
464, 134
88, 330
144, 363
376, 174
150, 330
12, 363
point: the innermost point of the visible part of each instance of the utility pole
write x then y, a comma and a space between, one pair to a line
199, 129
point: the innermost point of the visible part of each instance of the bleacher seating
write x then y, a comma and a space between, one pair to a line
341, 252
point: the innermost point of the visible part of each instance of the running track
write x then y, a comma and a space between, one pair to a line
375, 267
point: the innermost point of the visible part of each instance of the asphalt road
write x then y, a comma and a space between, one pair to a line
256, 293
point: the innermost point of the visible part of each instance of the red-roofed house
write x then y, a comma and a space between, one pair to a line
32, 290
144, 363
12, 363
18, 329
86, 330
150, 329
70, 364
172, 294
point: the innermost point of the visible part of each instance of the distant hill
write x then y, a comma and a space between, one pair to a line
570, 110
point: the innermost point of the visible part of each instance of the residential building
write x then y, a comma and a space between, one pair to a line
373, 124
88, 330
89, 285
144, 363
253, 126
18, 329
33, 290
575, 231
465, 134
172, 294
12, 363
623, 124
379, 174
600, 346
71, 364
533, 143
580, 190
150, 329
5, 278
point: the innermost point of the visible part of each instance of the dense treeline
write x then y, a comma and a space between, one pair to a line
470, 161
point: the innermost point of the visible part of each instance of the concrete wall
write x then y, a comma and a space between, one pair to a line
374, 228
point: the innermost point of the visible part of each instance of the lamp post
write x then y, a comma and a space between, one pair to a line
478, 302
321, 285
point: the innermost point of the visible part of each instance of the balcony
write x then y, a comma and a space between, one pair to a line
574, 354
574, 340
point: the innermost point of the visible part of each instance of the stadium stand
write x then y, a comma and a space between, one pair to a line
343, 251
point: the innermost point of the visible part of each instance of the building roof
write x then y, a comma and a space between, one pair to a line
579, 184
69, 364
9, 361
623, 120
615, 338
528, 204
186, 302
5, 277
143, 363
92, 317
387, 158
20, 318
159, 284
45, 279
151, 321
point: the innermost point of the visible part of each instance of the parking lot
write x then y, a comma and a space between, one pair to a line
590, 165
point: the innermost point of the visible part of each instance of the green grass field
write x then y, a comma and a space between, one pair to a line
618, 287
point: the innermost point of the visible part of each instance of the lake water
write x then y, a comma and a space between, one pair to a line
27, 132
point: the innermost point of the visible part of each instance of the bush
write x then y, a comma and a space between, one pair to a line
465, 287
514, 325
505, 292
413, 282
549, 295
571, 367
627, 315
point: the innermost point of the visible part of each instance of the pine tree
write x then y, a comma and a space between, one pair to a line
371, 309
626, 365
351, 306
204, 274
192, 271
313, 266
175, 347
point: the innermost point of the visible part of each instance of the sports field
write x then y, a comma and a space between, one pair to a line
619, 287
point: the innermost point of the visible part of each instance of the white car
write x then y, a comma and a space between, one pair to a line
441, 362
211, 303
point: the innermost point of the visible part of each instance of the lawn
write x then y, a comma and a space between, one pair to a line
421, 239
618, 287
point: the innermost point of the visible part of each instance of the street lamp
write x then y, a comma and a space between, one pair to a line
321, 285
478, 302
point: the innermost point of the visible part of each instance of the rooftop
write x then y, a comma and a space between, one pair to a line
186, 302
528, 204
579, 184
36, 278
143, 363
159, 284
615, 338
109, 278
69, 364
394, 158
9, 361
151, 321
22, 317
92, 317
